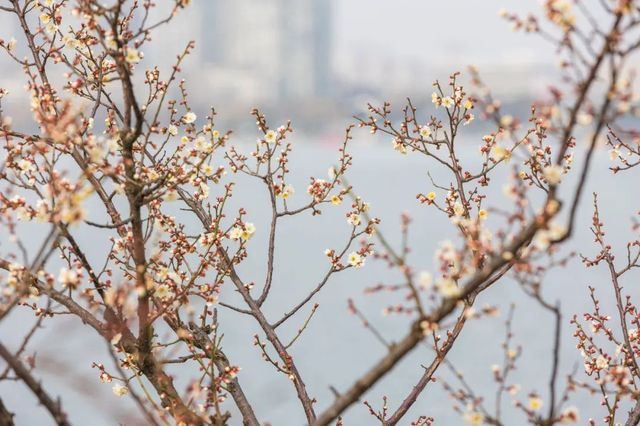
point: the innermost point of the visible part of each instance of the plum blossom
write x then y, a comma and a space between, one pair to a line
355, 259
119, 390
189, 117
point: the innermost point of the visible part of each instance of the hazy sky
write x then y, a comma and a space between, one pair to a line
405, 43
428, 31
440, 31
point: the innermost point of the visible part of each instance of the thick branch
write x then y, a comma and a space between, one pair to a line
161, 381
398, 351
53, 407
6, 417
634, 415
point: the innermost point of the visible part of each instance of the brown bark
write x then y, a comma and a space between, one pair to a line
6, 417
53, 407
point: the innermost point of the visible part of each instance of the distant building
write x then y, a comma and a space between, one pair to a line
267, 49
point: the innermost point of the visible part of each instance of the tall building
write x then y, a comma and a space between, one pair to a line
268, 49
322, 47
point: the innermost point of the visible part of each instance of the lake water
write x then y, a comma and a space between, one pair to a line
335, 349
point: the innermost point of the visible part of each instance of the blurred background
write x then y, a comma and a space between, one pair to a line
318, 62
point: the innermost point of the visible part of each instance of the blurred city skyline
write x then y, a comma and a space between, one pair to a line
321, 61
316, 43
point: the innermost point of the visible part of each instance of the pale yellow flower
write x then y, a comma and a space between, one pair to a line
270, 136
355, 259
170, 195
601, 362
500, 153
189, 117
354, 219
133, 56
119, 390
425, 279
248, 230
287, 192
553, 174
26, 166
474, 418
448, 288
399, 146
23, 214
51, 28
535, 403
235, 233
447, 102
68, 279
111, 43
70, 42
584, 118
506, 120
163, 292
